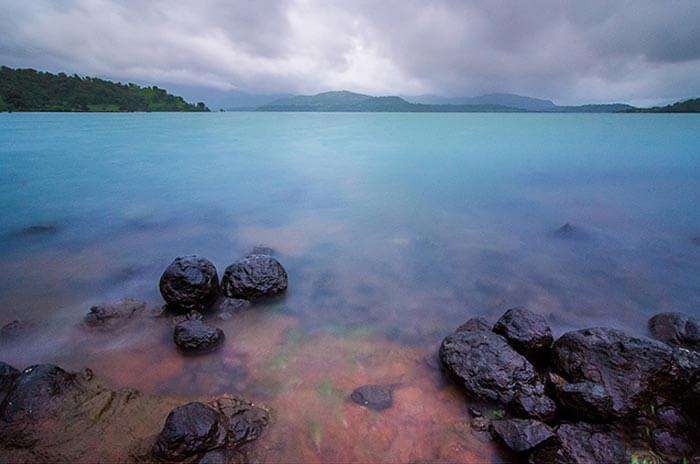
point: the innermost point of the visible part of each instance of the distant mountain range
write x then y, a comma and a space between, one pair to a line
492, 103
31, 90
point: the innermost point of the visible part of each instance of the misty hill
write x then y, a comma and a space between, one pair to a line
31, 90
686, 106
357, 102
218, 99
501, 99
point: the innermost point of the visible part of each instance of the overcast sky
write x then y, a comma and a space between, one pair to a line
638, 51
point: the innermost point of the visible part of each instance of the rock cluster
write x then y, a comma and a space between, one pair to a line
594, 395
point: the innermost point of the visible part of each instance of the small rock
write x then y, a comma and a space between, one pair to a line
196, 337
480, 423
695, 241
475, 324
190, 430
522, 435
39, 229
565, 231
526, 331
107, 316
475, 412
16, 330
376, 397
253, 277
190, 282
245, 422
676, 329
581, 443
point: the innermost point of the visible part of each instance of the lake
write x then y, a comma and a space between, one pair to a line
394, 229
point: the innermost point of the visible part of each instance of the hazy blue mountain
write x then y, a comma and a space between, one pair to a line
217, 99
357, 102
500, 99
600, 108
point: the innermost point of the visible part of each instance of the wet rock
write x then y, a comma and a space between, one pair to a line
695, 240
582, 400
190, 282
475, 324
375, 397
253, 277
676, 329
522, 435
582, 443
34, 396
8, 374
672, 444
196, 337
189, 430
488, 367
526, 331
631, 370
108, 316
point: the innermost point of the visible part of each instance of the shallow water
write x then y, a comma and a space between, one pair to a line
394, 228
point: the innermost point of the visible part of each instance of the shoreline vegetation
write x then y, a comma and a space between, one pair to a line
23, 90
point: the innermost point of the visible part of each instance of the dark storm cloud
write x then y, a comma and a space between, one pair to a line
641, 50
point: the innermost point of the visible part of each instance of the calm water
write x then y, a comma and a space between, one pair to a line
394, 228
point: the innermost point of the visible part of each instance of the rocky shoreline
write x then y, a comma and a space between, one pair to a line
595, 395
592, 396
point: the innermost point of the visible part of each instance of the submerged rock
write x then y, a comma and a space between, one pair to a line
193, 336
253, 277
107, 316
376, 397
228, 306
475, 324
676, 329
582, 443
262, 250
490, 369
16, 330
38, 229
630, 370
526, 331
522, 435
189, 282
189, 430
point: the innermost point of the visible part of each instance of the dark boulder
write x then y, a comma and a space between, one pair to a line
582, 443
108, 316
189, 430
190, 282
490, 369
582, 400
35, 395
631, 370
195, 337
526, 331
522, 435
253, 277
475, 324
676, 329
376, 397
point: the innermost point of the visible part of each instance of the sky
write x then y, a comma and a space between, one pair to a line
637, 51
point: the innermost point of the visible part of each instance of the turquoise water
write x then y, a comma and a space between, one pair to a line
398, 226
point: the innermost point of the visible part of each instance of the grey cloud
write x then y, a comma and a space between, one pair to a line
638, 51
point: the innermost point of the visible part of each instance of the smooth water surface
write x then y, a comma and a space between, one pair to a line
394, 229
